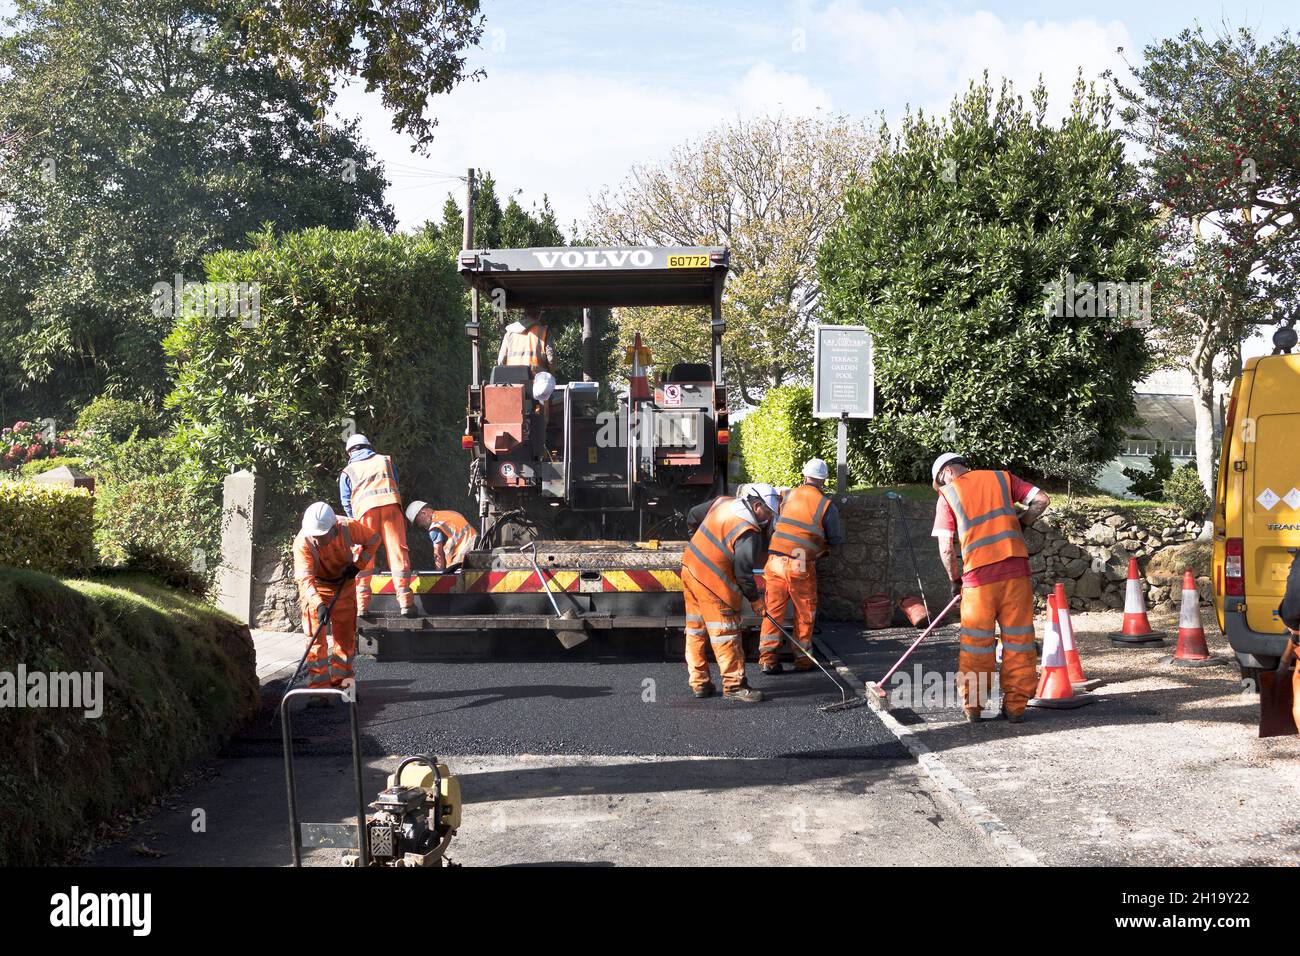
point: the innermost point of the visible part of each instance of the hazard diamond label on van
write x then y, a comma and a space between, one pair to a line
1292, 499
1268, 498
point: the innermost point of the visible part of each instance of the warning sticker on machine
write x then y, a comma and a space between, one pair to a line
1268, 498
672, 395
1292, 499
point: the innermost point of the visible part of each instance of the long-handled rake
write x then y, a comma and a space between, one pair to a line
847, 701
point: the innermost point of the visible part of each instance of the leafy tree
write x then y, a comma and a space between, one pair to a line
135, 141
406, 49
951, 253
769, 189
1217, 122
517, 228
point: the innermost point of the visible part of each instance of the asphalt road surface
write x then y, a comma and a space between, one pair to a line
582, 762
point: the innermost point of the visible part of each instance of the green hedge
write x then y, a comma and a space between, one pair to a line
45, 528
781, 434
353, 330
155, 523
178, 678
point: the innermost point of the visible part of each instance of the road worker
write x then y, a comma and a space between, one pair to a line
1289, 612
528, 342
807, 526
991, 573
328, 553
727, 545
369, 491
450, 532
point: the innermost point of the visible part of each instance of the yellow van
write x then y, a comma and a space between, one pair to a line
1257, 509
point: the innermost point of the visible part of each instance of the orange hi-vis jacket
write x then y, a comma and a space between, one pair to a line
528, 347
711, 554
987, 525
461, 535
318, 565
798, 532
374, 483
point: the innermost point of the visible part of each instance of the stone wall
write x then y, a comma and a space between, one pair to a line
275, 596
1087, 550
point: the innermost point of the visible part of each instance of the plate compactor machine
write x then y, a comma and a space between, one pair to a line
581, 494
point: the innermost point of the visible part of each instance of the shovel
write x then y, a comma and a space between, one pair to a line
568, 627
1276, 700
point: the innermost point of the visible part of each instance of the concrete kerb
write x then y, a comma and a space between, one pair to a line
961, 797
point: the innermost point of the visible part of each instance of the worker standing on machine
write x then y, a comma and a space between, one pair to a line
450, 533
807, 527
369, 491
528, 342
328, 553
991, 573
727, 545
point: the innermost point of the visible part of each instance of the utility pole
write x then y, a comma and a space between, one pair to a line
467, 242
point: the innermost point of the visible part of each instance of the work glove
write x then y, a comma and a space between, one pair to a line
955, 587
322, 613
350, 572
759, 605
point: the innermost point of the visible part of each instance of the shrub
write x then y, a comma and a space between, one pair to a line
40, 466
108, 422
1151, 484
781, 434
46, 529
28, 442
155, 523
357, 330
1184, 490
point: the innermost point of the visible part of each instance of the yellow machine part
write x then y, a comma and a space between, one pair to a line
419, 775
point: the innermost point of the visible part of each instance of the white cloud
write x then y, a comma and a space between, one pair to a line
562, 133
925, 58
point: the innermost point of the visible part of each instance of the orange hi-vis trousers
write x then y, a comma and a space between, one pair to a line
1008, 605
389, 523
788, 579
711, 621
329, 662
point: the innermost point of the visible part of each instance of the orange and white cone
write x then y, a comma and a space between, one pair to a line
1054, 688
1137, 628
1192, 650
1066, 628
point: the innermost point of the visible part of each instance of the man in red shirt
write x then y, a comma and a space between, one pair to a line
991, 571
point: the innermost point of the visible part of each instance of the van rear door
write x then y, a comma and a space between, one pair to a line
1271, 513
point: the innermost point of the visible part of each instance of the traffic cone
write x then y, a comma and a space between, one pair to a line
1137, 629
1054, 688
1192, 650
1065, 627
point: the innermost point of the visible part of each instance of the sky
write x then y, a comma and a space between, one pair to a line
575, 94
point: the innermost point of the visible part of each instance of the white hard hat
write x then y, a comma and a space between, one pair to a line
318, 519
414, 508
356, 441
946, 458
763, 491
816, 468
543, 386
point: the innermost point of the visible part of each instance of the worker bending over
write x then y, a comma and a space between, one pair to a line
991, 573
807, 527
727, 545
528, 342
328, 553
369, 492
450, 532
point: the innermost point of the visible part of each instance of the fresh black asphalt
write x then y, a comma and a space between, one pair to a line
578, 708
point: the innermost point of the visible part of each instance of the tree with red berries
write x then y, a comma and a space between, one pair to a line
1215, 121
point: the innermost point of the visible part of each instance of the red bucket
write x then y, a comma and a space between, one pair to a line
914, 608
878, 610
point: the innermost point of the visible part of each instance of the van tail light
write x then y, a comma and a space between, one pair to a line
1234, 577
466, 441
724, 437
